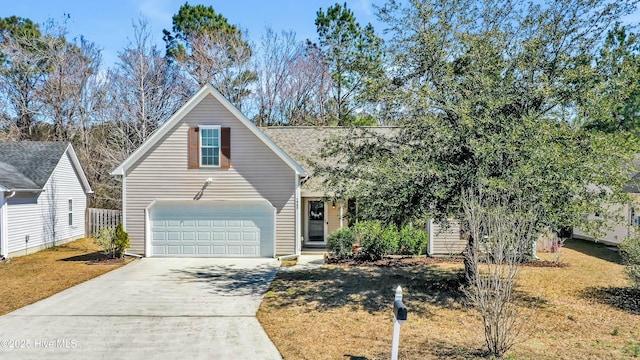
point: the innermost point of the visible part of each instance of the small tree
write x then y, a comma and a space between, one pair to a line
114, 241
120, 241
502, 231
104, 239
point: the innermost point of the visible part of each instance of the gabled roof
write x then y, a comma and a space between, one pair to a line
304, 144
183, 111
28, 165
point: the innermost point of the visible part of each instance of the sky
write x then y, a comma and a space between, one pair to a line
109, 23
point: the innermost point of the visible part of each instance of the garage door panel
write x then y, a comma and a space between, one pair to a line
204, 236
188, 250
206, 229
174, 236
234, 236
249, 250
234, 250
174, 250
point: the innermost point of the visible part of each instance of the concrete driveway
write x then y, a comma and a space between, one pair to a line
150, 309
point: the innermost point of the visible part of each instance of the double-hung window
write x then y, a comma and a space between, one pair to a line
210, 146
70, 212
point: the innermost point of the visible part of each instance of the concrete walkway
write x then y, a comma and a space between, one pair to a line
150, 309
306, 262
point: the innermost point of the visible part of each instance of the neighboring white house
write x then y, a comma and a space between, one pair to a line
43, 196
629, 213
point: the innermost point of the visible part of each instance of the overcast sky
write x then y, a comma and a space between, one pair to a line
108, 23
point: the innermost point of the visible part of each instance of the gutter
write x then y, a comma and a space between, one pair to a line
25, 190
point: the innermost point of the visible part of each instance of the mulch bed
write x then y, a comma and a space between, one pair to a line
410, 261
400, 261
116, 261
545, 264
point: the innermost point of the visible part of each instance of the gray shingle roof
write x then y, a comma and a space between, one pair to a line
304, 145
29, 164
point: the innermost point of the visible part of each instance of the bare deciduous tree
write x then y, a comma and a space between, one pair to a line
71, 67
503, 230
293, 81
145, 90
222, 60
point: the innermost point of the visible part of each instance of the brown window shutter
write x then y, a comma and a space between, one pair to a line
225, 148
194, 148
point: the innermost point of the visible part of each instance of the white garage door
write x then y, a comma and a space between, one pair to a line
212, 229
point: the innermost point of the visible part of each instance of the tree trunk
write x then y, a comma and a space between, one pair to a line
470, 271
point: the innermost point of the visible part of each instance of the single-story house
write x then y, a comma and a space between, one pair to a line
209, 182
43, 196
629, 213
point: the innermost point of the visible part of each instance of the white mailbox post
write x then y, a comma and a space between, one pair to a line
399, 316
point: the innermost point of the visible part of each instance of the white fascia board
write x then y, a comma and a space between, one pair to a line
183, 111
76, 163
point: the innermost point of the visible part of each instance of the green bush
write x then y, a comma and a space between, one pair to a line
631, 253
120, 241
104, 239
340, 243
376, 240
412, 241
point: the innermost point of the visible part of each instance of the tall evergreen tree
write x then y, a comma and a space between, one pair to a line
354, 57
211, 51
615, 102
22, 71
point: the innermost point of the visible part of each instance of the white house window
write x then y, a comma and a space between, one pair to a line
635, 220
210, 146
70, 212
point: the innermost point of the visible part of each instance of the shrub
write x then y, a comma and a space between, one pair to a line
120, 241
104, 239
376, 240
631, 253
340, 243
412, 241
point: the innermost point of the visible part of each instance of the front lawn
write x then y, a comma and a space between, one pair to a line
582, 311
30, 278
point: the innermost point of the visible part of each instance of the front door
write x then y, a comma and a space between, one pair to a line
315, 222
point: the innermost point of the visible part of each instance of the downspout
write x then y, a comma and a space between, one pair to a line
4, 223
298, 218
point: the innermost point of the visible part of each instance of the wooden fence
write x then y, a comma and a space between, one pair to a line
96, 219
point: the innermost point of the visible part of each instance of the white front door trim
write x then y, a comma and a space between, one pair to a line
325, 225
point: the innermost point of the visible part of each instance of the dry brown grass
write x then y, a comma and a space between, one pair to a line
30, 278
582, 311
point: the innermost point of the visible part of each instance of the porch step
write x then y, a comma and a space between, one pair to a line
313, 251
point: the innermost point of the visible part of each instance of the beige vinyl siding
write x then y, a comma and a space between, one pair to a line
256, 172
446, 241
333, 217
44, 216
